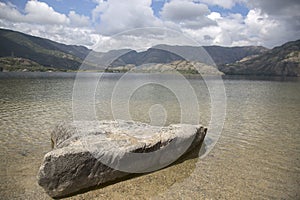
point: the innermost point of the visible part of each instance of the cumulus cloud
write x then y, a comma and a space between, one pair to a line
8, 11
285, 13
40, 19
277, 7
222, 3
259, 25
237, 30
115, 16
187, 14
78, 20
35, 12
179, 10
268, 23
267, 30
40, 12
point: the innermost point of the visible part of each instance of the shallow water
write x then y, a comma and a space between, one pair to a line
257, 155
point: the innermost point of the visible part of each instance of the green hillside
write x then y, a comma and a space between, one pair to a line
23, 64
42, 51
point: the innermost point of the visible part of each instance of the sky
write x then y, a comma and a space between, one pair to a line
267, 23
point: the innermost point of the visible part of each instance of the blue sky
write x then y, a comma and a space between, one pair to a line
210, 22
238, 8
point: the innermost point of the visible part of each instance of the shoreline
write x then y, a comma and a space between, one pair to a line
87, 74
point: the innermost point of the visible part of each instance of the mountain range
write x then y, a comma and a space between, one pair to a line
17, 48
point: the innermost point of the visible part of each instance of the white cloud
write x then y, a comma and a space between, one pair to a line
179, 10
37, 12
9, 12
98, 10
256, 28
285, 13
205, 35
222, 3
214, 16
277, 7
186, 14
232, 27
78, 20
115, 16
40, 12
262, 29
259, 24
41, 20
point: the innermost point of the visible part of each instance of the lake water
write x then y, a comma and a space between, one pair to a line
256, 157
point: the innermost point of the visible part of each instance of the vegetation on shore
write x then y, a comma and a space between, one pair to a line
23, 64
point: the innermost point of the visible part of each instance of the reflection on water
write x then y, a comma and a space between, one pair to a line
257, 156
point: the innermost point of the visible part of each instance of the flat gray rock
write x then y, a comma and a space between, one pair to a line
87, 154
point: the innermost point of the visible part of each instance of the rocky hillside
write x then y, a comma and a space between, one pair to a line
42, 51
213, 54
181, 66
279, 61
224, 55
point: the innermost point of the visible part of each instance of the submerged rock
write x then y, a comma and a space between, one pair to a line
87, 154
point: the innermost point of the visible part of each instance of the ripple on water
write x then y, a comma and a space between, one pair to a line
257, 155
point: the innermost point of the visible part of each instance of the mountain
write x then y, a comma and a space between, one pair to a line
224, 55
19, 51
208, 54
213, 54
280, 61
151, 55
42, 51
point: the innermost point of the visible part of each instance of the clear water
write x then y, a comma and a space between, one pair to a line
257, 156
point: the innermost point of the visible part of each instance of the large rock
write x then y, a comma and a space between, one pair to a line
87, 154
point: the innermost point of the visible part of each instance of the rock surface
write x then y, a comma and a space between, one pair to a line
185, 67
87, 154
279, 61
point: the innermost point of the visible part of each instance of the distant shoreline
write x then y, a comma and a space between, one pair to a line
88, 74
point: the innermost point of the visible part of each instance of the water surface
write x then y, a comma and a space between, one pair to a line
257, 155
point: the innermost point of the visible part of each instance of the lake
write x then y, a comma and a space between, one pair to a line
256, 157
